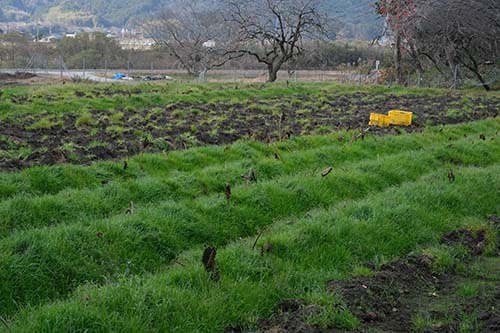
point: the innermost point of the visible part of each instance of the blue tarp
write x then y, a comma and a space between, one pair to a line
118, 76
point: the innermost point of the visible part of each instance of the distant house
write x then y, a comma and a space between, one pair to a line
209, 44
136, 43
70, 35
51, 39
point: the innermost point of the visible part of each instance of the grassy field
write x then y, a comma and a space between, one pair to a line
85, 123
117, 246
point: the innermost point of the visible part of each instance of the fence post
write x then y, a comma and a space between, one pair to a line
105, 70
455, 77
84, 68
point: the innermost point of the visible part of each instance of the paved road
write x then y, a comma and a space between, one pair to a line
67, 74
232, 75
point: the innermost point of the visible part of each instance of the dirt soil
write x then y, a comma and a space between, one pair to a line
20, 79
406, 296
182, 125
16, 76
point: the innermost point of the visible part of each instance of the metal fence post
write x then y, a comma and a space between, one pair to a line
455, 77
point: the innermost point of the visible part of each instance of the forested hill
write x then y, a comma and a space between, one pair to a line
79, 12
357, 15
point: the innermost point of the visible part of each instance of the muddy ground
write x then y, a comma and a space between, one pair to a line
408, 296
17, 78
47, 138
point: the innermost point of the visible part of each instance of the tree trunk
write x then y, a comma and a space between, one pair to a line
420, 71
474, 68
483, 82
397, 59
273, 73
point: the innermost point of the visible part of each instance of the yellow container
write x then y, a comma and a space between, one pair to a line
401, 118
380, 120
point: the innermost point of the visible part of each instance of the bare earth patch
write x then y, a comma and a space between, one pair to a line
405, 295
49, 139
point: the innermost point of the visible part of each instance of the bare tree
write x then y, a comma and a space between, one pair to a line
397, 14
195, 34
15, 49
273, 31
458, 32
448, 34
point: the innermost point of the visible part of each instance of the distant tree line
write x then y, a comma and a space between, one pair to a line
451, 39
96, 51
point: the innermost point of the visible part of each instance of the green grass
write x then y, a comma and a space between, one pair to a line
63, 230
194, 115
467, 290
85, 119
73, 259
471, 292
44, 123
306, 253
62, 98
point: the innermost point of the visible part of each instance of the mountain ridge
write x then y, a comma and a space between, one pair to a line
359, 20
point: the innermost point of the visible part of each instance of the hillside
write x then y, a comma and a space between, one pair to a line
357, 16
105, 13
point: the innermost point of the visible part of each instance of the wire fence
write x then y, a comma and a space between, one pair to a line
362, 75
222, 76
